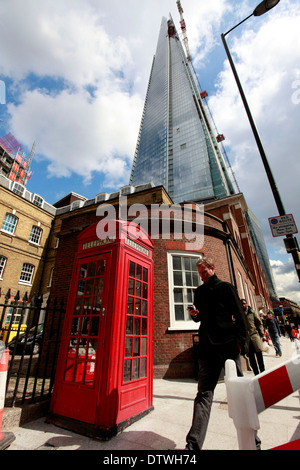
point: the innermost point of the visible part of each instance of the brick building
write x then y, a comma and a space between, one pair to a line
286, 309
38, 243
175, 273
233, 210
25, 225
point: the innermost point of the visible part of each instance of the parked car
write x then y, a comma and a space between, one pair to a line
31, 345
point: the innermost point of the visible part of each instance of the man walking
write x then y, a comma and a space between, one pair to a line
274, 331
255, 338
222, 336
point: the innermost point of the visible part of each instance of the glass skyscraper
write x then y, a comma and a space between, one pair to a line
176, 146
261, 251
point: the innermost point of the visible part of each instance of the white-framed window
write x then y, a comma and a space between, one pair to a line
126, 190
241, 286
26, 274
248, 296
76, 205
253, 301
183, 280
101, 197
18, 189
2, 265
16, 312
35, 235
9, 223
37, 200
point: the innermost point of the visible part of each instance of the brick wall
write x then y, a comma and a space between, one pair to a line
173, 349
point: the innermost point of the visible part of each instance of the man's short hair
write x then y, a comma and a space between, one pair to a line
207, 261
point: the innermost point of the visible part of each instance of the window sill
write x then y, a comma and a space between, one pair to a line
24, 283
183, 328
8, 234
34, 244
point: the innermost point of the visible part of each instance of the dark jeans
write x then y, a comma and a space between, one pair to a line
256, 360
209, 373
276, 343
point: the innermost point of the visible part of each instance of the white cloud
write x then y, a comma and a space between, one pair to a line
99, 55
286, 280
80, 135
267, 61
202, 24
59, 39
68, 48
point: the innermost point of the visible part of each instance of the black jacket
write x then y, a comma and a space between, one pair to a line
222, 319
272, 326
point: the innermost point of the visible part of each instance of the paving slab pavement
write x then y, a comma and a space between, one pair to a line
165, 428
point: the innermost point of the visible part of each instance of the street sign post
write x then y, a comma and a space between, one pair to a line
282, 225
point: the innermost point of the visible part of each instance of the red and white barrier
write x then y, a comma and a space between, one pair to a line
6, 438
247, 397
3, 376
296, 333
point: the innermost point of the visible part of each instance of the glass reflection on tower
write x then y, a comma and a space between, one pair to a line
176, 146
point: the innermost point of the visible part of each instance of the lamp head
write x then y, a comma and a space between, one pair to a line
265, 6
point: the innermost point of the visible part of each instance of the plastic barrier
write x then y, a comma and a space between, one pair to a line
8, 437
247, 397
296, 333
3, 375
267, 336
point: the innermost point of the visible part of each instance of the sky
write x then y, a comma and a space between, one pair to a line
74, 75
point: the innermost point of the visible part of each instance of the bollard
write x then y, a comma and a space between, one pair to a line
6, 438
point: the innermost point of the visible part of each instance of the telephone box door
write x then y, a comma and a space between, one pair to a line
83, 352
136, 380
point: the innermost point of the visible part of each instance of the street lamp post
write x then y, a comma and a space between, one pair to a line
290, 241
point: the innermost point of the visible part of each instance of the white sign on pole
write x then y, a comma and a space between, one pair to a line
282, 225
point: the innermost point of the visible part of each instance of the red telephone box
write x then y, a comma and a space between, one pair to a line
104, 372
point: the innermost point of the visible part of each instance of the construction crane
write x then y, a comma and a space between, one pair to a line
183, 29
29, 163
203, 93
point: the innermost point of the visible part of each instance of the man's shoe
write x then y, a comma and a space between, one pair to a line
189, 446
257, 441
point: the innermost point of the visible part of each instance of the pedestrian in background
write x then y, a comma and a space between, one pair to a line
288, 330
274, 332
255, 338
221, 337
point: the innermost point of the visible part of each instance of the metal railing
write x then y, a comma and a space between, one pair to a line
31, 330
